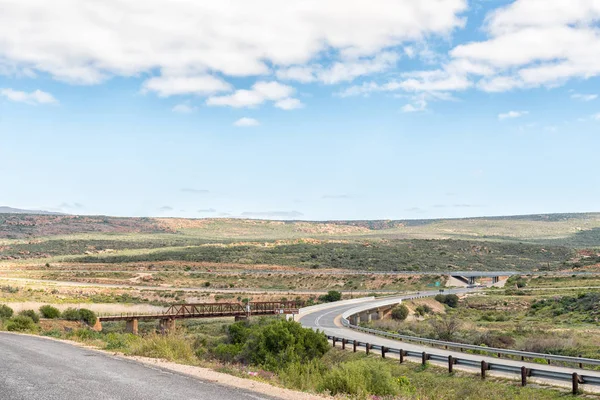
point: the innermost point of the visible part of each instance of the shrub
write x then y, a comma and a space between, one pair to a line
50, 312
361, 378
5, 311
21, 323
168, 347
87, 316
451, 300
303, 376
85, 334
83, 314
423, 309
331, 296
31, 314
400, 312
271, 344
71, 314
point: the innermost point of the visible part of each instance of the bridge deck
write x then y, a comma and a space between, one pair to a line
212, 310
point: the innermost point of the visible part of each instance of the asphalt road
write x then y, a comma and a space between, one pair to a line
35, 368
328, 321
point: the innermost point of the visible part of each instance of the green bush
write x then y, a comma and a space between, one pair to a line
5, 311
87, 316
50, 312
361, 378
31, 314
83, 314
331, 296
303, 376
271, 344
451, 300
21, 323
71, 314
400, 312
423, 309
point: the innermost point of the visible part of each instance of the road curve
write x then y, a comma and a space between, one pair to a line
328, 321
43, 369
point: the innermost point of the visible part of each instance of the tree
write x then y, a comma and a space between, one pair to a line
452, 300
50, 312
21, 323
331, 296
5, 311
31, 314
445, 328
400, 312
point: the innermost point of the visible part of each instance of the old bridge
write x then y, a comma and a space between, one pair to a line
166, 320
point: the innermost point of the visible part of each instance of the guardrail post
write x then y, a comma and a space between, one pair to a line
368, 347
450, 364
401, 356
382, 351
354, 345
523, 376
522, 358
484, 368
424, 358
343, 344
333, 340
575, 383
580, 364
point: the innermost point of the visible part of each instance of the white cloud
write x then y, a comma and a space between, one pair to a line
257, 95
512, 114
184, 108
33, 98
417, 106
289, 104
198, 40
596, 117
584, 97
177, 85
245, 122
341, 71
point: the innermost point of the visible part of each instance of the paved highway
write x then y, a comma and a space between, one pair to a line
35, 368
328, 320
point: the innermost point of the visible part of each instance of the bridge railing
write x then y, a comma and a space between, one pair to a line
214, 309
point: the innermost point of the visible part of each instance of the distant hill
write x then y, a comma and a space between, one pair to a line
10, 210
577, 229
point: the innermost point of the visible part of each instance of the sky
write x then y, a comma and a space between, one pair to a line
300, 109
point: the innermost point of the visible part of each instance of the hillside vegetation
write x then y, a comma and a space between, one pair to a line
537, 242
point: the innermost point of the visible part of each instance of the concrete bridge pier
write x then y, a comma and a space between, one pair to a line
131, 326
471, 280
166, 325
495, 279
366, 316
98, 325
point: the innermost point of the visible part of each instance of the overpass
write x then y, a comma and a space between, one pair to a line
166, 320
469, 278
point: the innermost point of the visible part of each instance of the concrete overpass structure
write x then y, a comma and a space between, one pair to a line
470, 278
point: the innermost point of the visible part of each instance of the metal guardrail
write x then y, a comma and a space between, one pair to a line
491, 350
580, 361
575, 378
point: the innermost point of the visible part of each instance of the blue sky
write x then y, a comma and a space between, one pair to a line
301, 109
